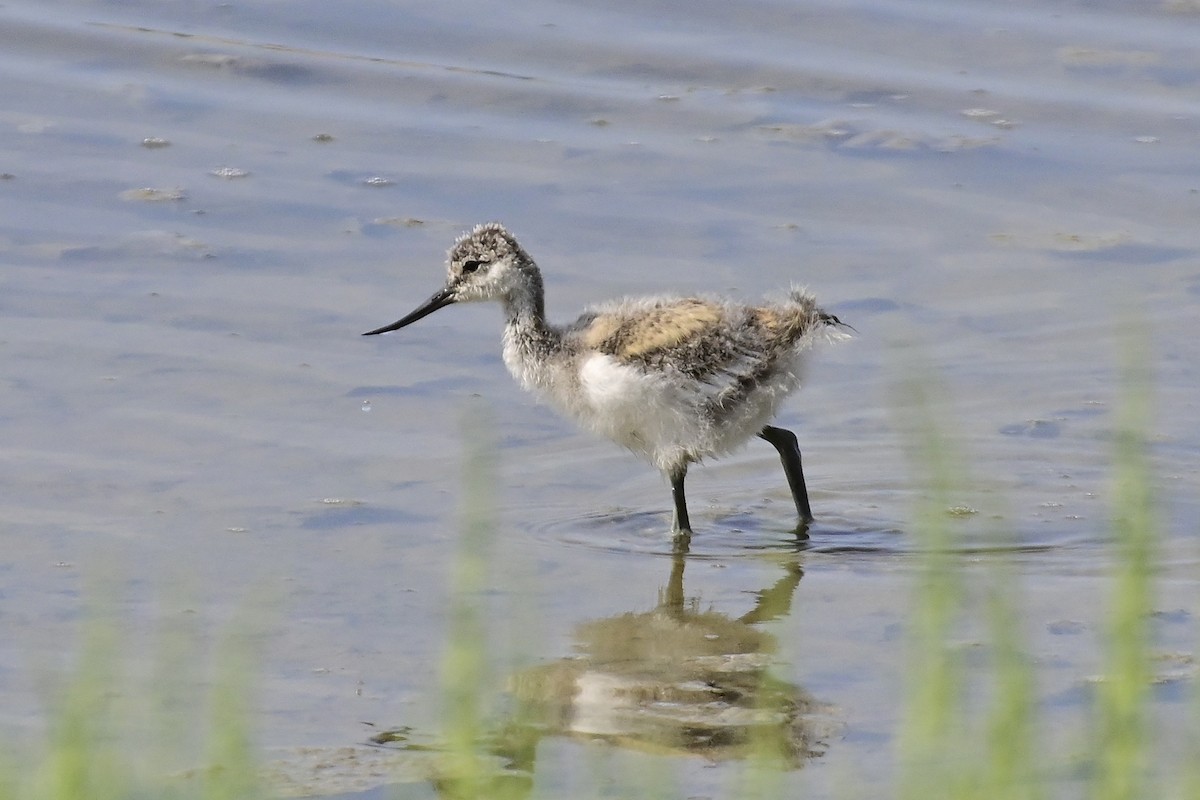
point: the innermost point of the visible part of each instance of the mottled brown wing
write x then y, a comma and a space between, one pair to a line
656, 331
704, 340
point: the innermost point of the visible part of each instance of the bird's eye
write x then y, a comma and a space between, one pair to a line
471, 266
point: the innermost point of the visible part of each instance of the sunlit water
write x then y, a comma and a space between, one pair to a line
202, 206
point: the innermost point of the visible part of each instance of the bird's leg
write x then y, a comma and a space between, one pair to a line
680, 525
789, 453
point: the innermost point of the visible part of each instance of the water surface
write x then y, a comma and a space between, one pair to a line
204, 205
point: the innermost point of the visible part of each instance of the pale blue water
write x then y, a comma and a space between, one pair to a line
993, 195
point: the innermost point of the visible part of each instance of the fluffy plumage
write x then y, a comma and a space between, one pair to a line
674, 379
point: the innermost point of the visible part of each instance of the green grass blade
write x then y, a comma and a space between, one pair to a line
932, 721
1120, 746
465, 770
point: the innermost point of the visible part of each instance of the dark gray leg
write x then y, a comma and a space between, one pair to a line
789, 453
680, 526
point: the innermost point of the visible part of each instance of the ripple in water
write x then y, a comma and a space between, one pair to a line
742, 532
753, 531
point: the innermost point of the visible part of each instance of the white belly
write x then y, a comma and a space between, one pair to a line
644, 412
665, 417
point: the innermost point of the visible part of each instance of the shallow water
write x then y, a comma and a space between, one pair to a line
204, 205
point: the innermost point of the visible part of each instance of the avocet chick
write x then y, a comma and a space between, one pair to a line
674, 379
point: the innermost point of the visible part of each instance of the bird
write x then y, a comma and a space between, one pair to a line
674, 379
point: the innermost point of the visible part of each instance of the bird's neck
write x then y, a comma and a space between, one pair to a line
529, 341
525, 309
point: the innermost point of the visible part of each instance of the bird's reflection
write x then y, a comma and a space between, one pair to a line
678, 679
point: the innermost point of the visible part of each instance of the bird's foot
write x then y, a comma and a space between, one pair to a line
681, 540
801, 529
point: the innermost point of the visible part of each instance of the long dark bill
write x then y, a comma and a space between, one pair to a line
440, 299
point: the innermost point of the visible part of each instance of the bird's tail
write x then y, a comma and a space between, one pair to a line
803, 318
